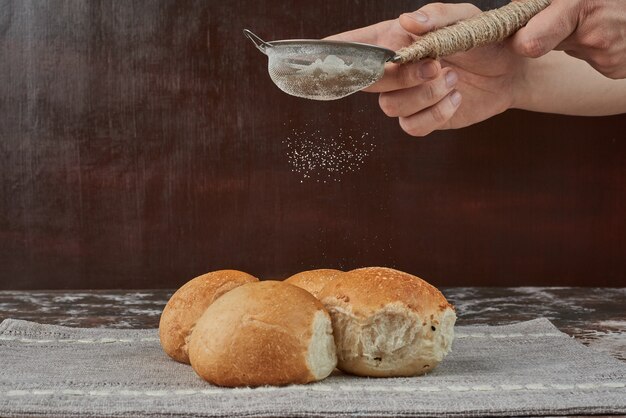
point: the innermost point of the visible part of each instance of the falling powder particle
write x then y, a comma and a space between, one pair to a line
326, 158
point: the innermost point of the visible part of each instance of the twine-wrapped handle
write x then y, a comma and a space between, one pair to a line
485, 28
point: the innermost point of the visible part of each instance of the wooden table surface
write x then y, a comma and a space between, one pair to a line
594, 316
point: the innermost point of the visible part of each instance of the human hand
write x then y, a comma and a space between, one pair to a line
592, 30
455, 92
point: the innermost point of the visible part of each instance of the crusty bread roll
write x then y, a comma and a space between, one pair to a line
265, 333
313, 280
189, 303
388, 323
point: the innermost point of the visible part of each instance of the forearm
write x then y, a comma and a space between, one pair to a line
558, 83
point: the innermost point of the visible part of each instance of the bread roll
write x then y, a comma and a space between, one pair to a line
313, 280
189, 303
265, 333
388, 323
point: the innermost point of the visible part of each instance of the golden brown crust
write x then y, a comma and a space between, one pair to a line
189, 303
368, 289
384, 322
257, 334
313, 281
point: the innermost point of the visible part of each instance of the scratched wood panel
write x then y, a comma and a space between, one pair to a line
142, 143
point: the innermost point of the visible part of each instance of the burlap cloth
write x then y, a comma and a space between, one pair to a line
528, 368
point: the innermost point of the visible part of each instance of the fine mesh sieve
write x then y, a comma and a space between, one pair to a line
329, 70
325, 70
322, 70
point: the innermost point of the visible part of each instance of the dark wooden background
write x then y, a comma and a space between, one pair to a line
143, 143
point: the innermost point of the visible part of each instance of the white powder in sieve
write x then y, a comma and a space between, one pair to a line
326, 158
332, 65
323, 79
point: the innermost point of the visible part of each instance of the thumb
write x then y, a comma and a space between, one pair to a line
436, 15
547, 29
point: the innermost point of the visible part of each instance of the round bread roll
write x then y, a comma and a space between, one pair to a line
265, 333
313, 280
387, 322
189, 303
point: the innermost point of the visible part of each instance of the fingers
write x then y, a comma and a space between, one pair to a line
545, 31
387, 34
421, 95
426, 107
406, 102
367, 35
436, 15
406, 76
435, 117
391, 35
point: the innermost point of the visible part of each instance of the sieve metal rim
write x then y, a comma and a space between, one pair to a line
388, 53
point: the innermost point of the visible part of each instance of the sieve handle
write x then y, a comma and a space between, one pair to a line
485, 28
257, 41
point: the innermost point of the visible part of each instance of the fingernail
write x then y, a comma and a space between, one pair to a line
451, 79
455, 98
428, 70
418, 16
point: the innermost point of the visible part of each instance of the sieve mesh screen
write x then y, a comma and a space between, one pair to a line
323, 72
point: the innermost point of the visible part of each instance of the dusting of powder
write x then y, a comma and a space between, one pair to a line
326, 158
